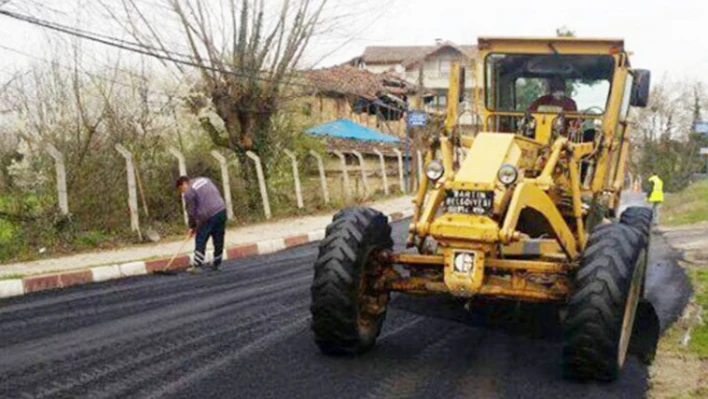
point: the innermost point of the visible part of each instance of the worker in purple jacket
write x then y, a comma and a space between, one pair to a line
207, 217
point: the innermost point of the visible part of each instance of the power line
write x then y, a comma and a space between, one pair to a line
130, 46
143, 50
167, 95
88, 35
72, 69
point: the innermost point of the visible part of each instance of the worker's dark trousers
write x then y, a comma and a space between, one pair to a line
215, 228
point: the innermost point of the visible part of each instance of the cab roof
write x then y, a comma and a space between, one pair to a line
552, 44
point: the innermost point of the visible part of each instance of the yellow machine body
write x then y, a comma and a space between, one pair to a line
531, 233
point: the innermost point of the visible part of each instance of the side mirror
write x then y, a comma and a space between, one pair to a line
462, 85
640, 91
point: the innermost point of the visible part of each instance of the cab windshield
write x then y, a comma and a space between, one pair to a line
548, 83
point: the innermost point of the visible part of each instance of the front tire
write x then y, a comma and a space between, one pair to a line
601, 312
347, 313
640, 218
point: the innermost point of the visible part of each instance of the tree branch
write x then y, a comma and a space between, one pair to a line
213, 133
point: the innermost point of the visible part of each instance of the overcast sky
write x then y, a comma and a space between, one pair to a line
668, 37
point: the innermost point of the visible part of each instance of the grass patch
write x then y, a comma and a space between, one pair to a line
681, 366
680, 370
686, 207
699, 337
698, 343
91, 239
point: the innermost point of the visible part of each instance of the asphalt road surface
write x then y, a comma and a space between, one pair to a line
244, 333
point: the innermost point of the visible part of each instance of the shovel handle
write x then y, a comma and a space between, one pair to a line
181, 247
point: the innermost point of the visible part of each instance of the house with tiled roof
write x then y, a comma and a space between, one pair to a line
375, 100
432, 63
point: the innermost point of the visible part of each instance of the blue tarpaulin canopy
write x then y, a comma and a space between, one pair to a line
346, 129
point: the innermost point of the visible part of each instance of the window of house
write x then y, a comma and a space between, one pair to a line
442, 100
445, 67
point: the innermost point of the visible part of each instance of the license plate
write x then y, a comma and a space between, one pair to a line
469, 202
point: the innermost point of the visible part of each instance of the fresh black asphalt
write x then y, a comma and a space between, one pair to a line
244, 333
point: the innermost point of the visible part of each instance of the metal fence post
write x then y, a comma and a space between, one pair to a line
296, 177
345, 176
62, 195
383, 169
420, 166
400, 170
323, 177
362, 166
225, 181
261, 183
182, 172
132, 193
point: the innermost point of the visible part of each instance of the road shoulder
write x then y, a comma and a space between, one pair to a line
90, 268
681, 366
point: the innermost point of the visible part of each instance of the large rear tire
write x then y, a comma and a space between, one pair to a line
647, 327
347, 313
639, 218
601, 312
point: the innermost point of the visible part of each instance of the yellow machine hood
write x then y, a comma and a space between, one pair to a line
488, 153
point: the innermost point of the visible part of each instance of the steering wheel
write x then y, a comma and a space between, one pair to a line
595, 110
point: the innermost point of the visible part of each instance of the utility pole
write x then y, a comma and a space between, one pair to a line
407, 144
417, 106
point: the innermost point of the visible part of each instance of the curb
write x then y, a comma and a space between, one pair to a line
30, 284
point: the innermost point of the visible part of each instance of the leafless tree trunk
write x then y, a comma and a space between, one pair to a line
243, 60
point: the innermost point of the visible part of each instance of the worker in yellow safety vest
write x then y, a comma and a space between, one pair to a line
656, 195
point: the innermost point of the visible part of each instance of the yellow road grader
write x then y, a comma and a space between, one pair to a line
525, 210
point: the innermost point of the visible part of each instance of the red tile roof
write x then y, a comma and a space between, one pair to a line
346, 80
354, 81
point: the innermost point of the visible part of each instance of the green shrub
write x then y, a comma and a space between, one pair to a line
91, 238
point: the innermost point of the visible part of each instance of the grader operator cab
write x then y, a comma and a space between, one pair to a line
528, 213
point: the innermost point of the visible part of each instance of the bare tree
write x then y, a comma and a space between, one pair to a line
662, 140
244, 60
84, 114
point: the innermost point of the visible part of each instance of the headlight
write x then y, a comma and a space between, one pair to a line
508, 174
464, 262
434, 170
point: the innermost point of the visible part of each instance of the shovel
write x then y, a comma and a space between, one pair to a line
166, 270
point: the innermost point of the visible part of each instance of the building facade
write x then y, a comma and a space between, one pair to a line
429, 67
